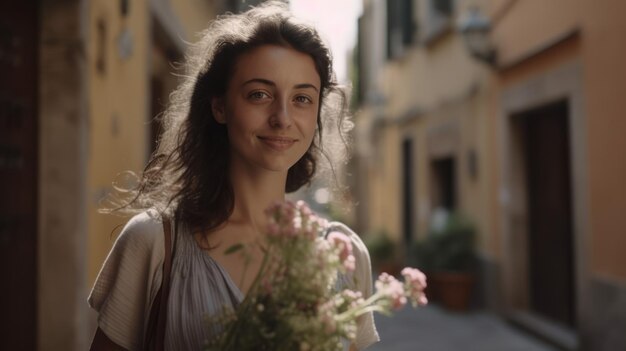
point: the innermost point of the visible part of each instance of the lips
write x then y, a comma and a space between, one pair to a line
278, 143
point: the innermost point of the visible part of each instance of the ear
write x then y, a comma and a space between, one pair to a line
217, 107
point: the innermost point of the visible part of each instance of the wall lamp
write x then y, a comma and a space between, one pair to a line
475, 28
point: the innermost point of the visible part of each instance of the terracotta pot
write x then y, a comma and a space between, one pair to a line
452, 289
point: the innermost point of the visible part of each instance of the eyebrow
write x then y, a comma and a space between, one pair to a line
270, 83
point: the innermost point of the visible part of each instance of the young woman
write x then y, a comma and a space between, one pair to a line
244, 128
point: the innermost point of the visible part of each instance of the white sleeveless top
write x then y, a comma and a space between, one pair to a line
199, 286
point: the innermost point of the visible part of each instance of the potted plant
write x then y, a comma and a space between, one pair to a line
448, 256
382, 252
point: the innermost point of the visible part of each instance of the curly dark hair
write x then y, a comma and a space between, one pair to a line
187, 175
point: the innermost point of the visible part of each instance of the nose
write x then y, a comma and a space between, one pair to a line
280, 116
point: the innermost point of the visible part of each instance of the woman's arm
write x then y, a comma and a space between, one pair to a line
122, 288
101, 342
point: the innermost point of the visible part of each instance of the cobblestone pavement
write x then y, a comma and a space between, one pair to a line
433, 329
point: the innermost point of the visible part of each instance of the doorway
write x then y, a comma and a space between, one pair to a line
407, 193
550, 241
444, 184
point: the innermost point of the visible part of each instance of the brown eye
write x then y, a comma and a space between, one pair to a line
303, 99
258, 95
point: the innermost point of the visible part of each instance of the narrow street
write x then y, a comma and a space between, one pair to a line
432, 328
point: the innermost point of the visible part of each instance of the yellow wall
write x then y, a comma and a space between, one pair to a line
443, 85
385, 184
533, 24
521, 27
427, 77
194, 15
120, 102
604, 55
118, 110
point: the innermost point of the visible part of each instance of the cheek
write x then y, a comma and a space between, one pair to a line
243, 121
311, 123
313, 127
310, 133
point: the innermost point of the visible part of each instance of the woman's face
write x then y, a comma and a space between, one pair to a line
270, 107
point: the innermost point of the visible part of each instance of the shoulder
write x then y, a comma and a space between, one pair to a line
141, 232
361, 277
121, 293
359, 250
136, 249
134, 256
139, 248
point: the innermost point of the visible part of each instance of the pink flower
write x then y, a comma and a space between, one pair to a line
290, 220
341, 241
392, 290
415, 283
350, 263
304, 208
353, 298
326, 315
273, 229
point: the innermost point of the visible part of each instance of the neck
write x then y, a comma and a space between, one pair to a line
255, 189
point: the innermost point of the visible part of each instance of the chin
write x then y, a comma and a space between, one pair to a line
276, 165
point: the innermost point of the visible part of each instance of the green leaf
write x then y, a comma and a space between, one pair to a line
233, 248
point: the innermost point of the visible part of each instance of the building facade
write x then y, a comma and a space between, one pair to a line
526, 143
81, 83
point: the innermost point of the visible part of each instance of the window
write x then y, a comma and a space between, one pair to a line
101, 46
438, 20
400, 26
359, 61
407, 22
443, 7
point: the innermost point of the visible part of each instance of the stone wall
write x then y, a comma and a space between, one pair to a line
603, 326
63, 124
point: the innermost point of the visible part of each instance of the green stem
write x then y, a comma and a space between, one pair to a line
366, 307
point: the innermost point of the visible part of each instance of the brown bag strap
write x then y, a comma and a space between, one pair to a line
155, 333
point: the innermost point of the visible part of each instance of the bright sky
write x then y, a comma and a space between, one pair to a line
336, 21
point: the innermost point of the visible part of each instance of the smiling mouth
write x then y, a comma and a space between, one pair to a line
278, 143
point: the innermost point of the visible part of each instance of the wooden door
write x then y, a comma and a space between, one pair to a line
550, 239
408, 208
18, 174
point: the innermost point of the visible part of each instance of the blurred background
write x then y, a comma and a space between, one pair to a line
489, 150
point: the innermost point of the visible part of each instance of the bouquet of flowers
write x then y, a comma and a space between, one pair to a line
293, 303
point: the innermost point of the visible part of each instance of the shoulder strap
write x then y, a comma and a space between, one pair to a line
155, 332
